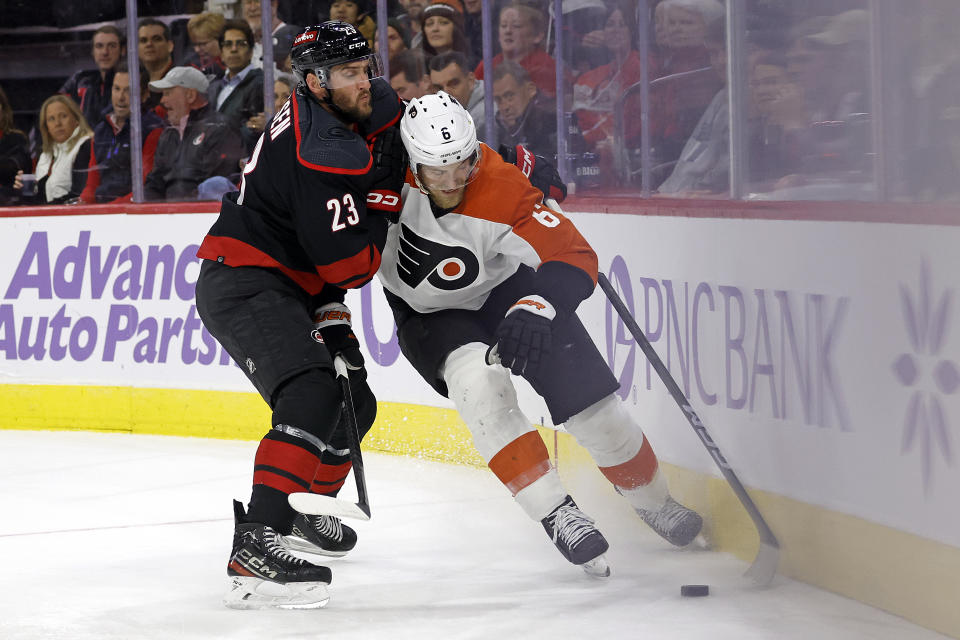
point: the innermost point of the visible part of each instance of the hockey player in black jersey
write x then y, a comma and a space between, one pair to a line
309, 222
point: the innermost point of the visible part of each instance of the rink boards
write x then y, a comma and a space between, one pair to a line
821, 354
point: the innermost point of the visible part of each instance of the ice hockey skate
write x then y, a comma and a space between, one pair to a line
677, 524
320, 536
264, 575
577, 538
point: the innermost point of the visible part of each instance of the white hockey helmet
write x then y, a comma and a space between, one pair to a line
437, 131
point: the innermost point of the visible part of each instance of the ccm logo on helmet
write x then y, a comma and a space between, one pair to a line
309, 36
388, 200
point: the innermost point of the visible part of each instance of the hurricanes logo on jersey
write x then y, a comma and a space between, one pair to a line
443, 266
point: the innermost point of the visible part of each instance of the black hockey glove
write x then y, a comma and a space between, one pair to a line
332, 320
389, 172
538, 170
523, 336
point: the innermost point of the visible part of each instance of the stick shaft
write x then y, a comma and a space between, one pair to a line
766, 534
353, 436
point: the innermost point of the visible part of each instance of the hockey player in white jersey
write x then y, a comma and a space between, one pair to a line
478, 267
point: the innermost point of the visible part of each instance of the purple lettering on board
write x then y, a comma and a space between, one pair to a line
121, 326
74, 257
383, 353
36, 250
733, 298
616, 331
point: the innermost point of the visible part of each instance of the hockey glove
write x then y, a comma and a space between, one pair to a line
538, 170
332, 320
523, 337
389, 172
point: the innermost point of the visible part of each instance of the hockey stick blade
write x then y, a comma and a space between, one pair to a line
765, 564
317, 505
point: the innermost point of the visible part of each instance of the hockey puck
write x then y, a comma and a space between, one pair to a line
694, 590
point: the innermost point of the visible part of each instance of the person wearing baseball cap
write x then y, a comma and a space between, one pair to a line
199, 144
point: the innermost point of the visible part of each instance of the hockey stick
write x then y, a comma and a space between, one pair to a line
765, 564
317, 505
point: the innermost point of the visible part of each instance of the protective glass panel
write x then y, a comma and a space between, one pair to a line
808, 100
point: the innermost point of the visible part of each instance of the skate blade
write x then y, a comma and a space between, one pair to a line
303, 548
597, 568
255, 593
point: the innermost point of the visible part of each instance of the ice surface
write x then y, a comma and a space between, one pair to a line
117, 536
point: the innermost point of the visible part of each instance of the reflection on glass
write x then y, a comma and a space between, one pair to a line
809, 114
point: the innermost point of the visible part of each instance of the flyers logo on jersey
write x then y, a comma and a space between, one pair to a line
445, 267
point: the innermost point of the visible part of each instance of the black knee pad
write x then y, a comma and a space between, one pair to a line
309, 401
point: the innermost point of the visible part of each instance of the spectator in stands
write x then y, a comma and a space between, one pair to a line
398, 38
473, 27
156, 54
199, 154
204, 30
91, 89
451, 72
831, 67
442, 26
282, 89
410, 19
155, 47
597, 91
703, 168
238, 95
62, 167
584, 47
358, 13
14, 156
682, 81
777, 120
525, 116
408, 75
250, 11
522, 32
109, 178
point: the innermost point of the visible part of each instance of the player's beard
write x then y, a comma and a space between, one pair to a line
357, 109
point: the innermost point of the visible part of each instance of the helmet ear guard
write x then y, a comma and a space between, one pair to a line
437, 131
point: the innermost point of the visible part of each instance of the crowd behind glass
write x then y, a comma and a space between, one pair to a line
764, 99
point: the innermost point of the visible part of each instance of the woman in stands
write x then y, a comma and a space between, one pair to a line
442, 26
14, 156
62, 167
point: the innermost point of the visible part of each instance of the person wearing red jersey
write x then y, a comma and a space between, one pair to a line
284, 249
478, 270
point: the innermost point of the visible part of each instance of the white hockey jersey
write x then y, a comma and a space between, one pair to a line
454, 261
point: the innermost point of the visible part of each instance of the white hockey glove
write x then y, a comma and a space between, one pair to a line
523, 337
332, 320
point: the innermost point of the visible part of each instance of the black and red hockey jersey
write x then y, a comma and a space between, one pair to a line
302, 205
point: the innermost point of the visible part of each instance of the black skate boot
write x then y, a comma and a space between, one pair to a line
677, 524
578, 540
320, 536
263, 574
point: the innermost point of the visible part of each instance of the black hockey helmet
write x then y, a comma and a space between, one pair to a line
318, 48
